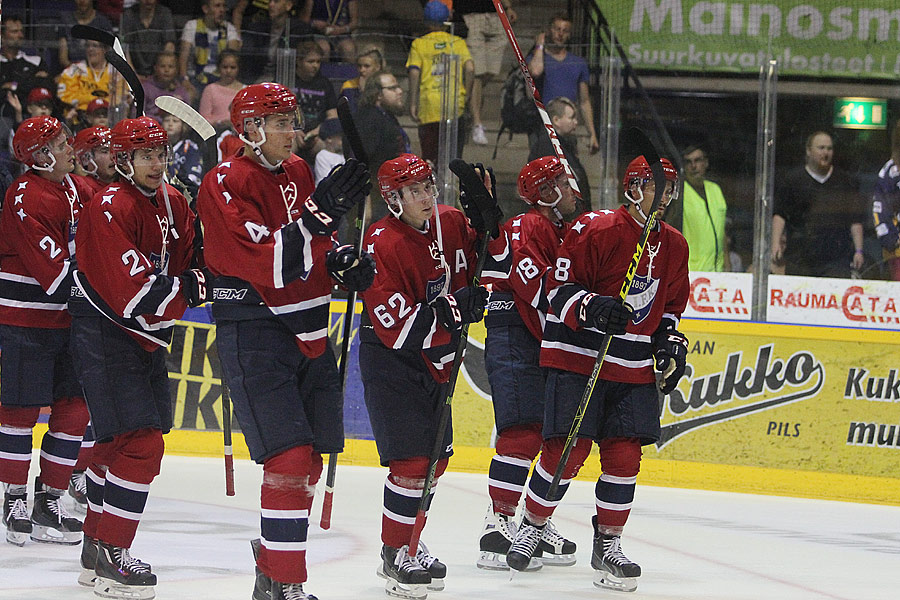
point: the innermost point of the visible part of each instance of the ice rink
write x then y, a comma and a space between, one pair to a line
691, 544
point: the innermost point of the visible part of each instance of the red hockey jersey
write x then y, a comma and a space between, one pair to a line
252, 236
37, 243
131, 250
409, 276
91, 183
534, 240
594, 257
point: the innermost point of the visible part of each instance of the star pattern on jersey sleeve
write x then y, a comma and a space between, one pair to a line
370, 249
578, 226
21, 214
377, 231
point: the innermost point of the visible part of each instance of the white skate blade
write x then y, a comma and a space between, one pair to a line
51, 535
403, 590
604, 579
557, 560
108, 588
87, 577
495, 561
16, 538
436, 585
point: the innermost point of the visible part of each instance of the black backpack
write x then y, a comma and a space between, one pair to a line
518, 114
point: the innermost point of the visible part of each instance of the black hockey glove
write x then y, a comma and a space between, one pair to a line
604, 313
465, 305
480, 204
195, 286
341, 189
670, 353
355, 273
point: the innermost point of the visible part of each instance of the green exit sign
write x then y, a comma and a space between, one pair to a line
860, 113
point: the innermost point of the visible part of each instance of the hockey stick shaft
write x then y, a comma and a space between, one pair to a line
131, 78
659, 180
349, 127
536, 96
462, 170
226, 429
185, 112
86, 32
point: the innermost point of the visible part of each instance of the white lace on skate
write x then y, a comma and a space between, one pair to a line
524, 547
18, 510
126, 562
59, 532
553, 547
405, 564
17, 521
293, 591
78, 492
425, 559
616, 571
107, 588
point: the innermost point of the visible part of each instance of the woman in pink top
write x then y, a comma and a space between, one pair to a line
215, 103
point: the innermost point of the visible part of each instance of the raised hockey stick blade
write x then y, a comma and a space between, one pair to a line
86, 32
226, 429
353, 139
536, 96
131, 78
467, 174
185, 112
639, 140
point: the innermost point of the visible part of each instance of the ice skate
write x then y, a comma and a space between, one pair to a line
290, 591
88, 576
15, 517
406, 578
496, 538
51, 522
613, 569
524, 548
435, 568
78, 492
121, 576
554, 549
262, 585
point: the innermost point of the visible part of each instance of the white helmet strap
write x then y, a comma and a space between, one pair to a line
260, 127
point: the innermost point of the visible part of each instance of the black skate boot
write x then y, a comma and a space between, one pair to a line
614, 570
15, 516
262, 586
78, 491
435, 568
51, 522
290, 591
496, 538
525, 546
406, 578
555, 549
88, 576
119, 575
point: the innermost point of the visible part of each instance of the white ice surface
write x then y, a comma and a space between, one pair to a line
691, 544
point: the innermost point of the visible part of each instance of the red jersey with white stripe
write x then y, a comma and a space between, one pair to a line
534, 240
131, 250
256, 246
37, 243
409, 276
594, 257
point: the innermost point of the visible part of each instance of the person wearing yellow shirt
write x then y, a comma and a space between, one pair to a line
426, 78
85, 80
704, 215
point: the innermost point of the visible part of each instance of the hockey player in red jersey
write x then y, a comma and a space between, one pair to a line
420, 299
37, 230
93, 156
134, 278
623, 412
268, 242
515, 325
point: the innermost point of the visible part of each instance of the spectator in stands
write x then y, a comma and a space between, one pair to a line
246, 12
315, 98
186, 163
703, 215
382, 136
201, 42
817, 226
40, 102
112, 9
369, 62
18, 69
147, 30
332, 154
165, 82
564, 73
85, 80
215, 103
486, 41
334, 21
263, 38
886, 207
97, 113
564, 116
71, 49
426, 81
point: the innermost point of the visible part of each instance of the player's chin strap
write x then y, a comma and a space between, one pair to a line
637, 202
395, 208
48, 168
95, 167
555, 203
256, 146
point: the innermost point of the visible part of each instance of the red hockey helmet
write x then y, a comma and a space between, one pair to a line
397, 173
131, 134
535, 175
33, 135
259, 100
639, 169
90, 138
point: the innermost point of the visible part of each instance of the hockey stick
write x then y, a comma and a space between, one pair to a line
86, 32
536, 96
131, 78
648, 150
185, 112
472, 181
356, 147
226, 430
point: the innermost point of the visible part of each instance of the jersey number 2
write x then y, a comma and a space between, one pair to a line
135, 260
396, 301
